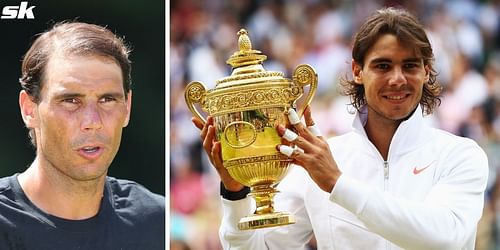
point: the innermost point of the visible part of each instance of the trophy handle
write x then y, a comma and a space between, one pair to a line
304, 75
195, 93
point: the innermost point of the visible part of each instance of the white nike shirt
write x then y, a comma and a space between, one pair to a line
427, 195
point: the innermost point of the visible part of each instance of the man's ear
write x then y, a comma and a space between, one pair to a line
129, 108
29, 109
357, 72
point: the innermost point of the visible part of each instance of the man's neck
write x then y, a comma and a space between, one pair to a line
59, 195
380, 132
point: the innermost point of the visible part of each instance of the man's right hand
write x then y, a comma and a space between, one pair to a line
213, 149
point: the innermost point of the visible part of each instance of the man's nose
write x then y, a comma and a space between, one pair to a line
92, 118
397, 77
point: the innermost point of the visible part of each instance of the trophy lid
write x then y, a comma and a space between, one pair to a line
247, 65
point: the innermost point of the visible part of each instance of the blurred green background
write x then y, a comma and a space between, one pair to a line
142, 23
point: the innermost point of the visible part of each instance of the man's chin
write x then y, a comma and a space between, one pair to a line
88, 173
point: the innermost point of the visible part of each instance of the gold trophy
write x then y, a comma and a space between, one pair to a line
246, 106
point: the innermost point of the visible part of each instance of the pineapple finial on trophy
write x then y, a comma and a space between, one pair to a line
246, 56
244, 41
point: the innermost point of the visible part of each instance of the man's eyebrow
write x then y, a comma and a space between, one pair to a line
387, 60
68, 95
116, 95
380, 60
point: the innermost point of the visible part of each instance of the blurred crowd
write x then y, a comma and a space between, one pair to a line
465, 35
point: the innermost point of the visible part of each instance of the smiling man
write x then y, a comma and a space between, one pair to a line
76, 99
390, 183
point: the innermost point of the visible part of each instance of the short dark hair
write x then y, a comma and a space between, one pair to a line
71, 38
408, 30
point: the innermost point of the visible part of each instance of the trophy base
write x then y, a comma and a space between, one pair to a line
256, 221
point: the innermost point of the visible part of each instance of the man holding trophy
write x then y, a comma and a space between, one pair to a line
390, 183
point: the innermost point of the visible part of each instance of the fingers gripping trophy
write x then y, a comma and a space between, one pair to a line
246, 106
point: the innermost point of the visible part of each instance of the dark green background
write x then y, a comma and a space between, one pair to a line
142, 153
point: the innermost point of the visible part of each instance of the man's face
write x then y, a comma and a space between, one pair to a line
79, 119
393, 76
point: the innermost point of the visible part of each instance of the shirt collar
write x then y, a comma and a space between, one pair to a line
409, 135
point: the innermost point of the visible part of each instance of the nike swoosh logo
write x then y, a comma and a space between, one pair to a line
419, 170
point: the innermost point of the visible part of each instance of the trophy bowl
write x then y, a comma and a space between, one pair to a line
246, 106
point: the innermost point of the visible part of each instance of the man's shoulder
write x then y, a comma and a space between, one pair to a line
137, 205
451, 140
6, 188
13, 207
130, 193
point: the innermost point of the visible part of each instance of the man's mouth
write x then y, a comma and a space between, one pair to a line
91, 152
396, 97
90, 149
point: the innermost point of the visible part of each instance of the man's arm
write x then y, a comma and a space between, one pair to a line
447, 218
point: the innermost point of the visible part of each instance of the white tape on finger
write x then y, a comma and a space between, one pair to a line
290, 135
286, 150
293, 117
314, 130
